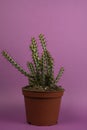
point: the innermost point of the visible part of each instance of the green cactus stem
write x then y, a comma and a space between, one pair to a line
47, 59
18, 67
35, 55
32, 73
59, 74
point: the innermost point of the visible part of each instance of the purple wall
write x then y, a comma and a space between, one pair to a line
64, 23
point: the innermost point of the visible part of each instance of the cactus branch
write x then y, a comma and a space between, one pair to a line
43, 41
59, 74
47, 58
18, 67
35, 55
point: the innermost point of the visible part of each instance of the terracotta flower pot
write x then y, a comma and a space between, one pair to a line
42, 108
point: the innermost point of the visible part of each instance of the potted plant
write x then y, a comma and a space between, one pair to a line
42, 96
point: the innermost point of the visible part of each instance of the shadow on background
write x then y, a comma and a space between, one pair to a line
69, 115
13, 114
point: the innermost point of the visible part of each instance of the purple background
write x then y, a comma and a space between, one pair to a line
64, 23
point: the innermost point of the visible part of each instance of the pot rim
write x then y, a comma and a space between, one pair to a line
42, 94
33, 91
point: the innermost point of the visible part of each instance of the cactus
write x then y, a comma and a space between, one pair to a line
41, 69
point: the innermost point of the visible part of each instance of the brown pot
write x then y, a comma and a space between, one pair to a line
42, 108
